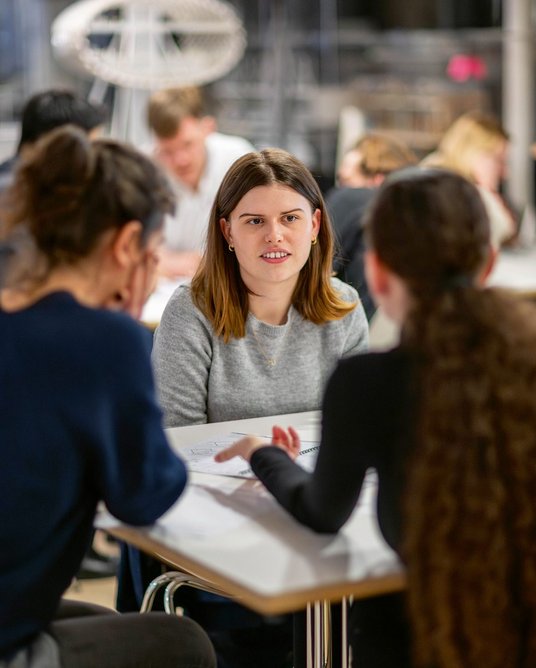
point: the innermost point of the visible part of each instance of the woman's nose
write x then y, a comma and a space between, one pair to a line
274, 232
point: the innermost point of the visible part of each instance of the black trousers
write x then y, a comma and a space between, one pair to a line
89, 636
241, 637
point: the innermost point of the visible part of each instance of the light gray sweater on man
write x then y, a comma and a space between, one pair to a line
202, 379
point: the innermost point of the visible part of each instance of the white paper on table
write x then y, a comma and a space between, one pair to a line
200, 457
204, 512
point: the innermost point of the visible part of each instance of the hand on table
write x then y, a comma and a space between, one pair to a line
286, 439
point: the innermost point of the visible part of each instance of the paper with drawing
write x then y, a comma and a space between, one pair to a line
200, 457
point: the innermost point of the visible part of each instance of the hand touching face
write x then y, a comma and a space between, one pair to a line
141, 279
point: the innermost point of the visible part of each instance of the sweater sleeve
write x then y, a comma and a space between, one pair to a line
182, 357
324, 499
138, 475
355, 324
358, 332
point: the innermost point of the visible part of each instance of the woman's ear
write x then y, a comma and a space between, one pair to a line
317, 220
376, 274
126, 245
225, 227
388, 290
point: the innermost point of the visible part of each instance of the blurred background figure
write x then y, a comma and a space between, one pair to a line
476, 146
362, 169
196, 157
47, 110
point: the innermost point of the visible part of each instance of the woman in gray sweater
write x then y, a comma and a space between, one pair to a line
263, 323
257, 333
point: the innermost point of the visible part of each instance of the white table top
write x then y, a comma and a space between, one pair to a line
231, 532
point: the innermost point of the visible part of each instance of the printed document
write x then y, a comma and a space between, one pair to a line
200, 457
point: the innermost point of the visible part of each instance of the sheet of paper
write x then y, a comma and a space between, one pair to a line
204, 512
200, 457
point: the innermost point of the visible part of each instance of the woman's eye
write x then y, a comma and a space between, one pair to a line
290, 218
254, 221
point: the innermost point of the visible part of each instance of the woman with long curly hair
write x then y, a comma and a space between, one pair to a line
448, 420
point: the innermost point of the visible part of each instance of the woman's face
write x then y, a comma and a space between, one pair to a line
489, 167
271, 229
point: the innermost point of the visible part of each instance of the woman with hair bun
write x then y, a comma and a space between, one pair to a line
448, 421
80, 423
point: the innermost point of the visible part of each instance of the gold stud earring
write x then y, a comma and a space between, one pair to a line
314, 241
231, 248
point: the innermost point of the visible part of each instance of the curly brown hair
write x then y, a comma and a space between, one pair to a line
470, 500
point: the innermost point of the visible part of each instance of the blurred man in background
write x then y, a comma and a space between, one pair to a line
196, 158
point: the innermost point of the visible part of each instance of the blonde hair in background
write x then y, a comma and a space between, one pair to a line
473, 132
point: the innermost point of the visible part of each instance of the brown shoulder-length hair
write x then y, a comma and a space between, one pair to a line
217, 287
382, 154
470, 490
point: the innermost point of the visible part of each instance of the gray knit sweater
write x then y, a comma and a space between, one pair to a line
202, 379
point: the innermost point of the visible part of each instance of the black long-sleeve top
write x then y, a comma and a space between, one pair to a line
366, 423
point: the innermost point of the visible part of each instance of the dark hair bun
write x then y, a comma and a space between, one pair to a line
56, 174
69, 191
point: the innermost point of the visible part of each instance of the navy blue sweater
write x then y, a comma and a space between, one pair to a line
79, 423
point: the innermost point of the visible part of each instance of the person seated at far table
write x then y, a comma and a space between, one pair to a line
80, 423
196, 158
476, 146
45, 111
362, 170
447, 419
259, 330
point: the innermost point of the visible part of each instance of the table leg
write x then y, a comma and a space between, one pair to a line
345, 650
318, 635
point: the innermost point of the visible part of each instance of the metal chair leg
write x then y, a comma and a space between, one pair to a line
172, 580
154, 586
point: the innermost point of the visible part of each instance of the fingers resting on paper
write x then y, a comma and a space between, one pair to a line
286, 439
244, 448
